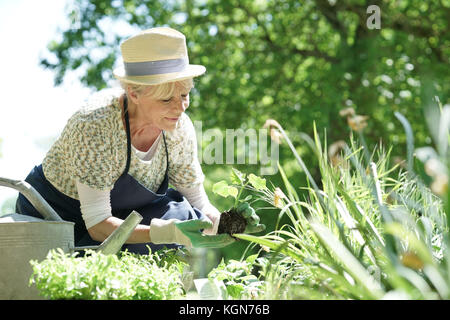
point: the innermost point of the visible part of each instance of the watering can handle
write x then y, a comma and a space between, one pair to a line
33, 196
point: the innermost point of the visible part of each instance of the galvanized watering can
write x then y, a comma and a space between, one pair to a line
24, 238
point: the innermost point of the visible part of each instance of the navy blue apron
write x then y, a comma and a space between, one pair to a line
127, 195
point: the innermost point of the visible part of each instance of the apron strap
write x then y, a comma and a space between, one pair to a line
167, 154
127, 125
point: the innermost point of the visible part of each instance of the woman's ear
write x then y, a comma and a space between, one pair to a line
133, 95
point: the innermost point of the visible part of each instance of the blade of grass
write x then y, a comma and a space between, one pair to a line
353, 207
398, 230
270, 244
409, 140
351, 264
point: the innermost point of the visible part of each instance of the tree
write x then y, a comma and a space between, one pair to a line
295, 61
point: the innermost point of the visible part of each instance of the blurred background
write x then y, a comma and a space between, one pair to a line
298, 62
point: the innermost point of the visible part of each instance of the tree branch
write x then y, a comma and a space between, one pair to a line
330, 14
304, 52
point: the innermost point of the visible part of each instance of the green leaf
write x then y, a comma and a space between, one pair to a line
223, 189
232, 191
251, 259
234, 290
257, 182
237, 177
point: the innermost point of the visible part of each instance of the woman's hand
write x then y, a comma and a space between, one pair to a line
214, 216
253, 225
187, 233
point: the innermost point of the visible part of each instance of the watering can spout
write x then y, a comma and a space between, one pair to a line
115, 241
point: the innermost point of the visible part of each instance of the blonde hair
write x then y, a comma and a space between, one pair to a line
158, 91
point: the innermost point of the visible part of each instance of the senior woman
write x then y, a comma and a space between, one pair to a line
120, 152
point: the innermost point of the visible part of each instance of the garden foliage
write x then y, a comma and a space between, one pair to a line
364, 235
96, 276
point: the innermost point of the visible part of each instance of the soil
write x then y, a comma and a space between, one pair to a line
231, 222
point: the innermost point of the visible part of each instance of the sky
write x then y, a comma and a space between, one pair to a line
32, 110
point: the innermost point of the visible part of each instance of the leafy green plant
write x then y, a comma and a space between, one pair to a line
256, 187
239, 182
96, 276
233, 221
238, 279
363, 234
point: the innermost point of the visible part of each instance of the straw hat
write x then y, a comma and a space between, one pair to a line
156, 56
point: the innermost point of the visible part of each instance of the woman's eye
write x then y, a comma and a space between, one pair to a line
183, 96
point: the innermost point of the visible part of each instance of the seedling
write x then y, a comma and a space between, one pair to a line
232, 221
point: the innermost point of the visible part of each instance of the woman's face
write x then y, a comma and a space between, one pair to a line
163, 114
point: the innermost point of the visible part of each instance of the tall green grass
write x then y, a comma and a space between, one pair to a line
371, 231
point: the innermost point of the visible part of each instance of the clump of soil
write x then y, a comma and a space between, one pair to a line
231, 222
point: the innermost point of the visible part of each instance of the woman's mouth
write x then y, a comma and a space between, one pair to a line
173, 119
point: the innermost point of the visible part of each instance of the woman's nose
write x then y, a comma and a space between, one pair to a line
181, 104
